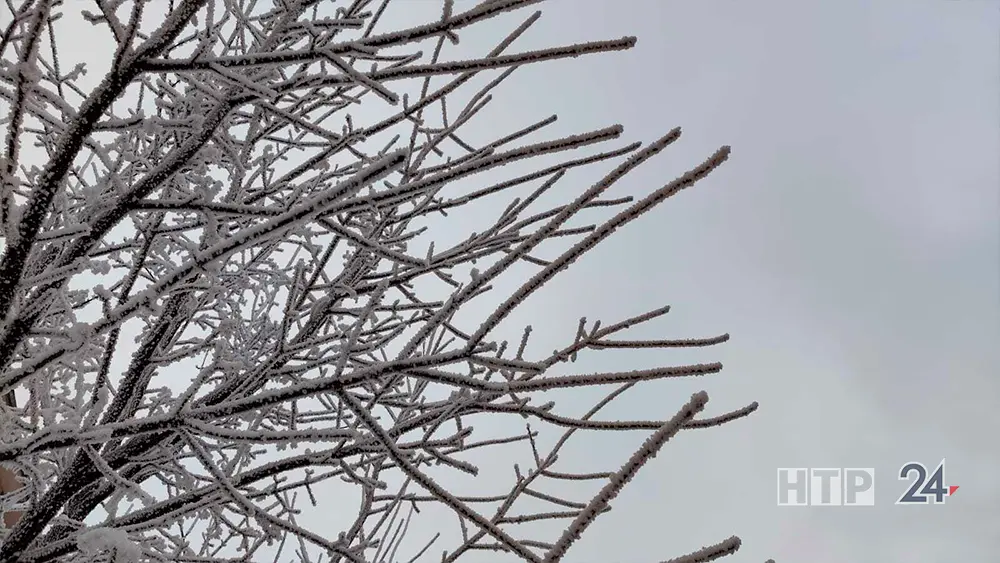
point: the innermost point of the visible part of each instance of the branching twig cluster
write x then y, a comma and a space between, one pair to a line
217, 286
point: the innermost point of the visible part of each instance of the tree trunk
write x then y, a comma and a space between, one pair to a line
9, 481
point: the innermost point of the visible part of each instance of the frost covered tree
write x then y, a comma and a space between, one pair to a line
220, 288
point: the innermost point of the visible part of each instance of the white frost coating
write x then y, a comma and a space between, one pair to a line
113, 542
217, 273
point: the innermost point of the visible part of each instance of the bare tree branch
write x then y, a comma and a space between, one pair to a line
225, 295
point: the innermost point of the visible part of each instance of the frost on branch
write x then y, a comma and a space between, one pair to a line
113, 544
235, 299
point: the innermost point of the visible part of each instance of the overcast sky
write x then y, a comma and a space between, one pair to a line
850, 247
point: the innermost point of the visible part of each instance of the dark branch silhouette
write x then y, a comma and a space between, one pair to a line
221, 291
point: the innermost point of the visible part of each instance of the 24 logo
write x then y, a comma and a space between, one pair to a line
924, 490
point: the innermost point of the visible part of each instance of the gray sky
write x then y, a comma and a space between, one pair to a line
851, 246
